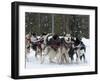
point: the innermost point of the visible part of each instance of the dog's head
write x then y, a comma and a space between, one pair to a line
67, 38
55, 36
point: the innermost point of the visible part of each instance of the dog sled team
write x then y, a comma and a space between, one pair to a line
59, 48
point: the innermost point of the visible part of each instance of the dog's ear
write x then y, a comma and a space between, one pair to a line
44, 33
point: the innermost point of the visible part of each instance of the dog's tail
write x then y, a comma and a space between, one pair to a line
46, 40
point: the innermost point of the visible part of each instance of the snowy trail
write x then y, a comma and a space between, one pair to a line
32, 62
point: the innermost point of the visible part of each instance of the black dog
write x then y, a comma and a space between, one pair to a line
77, 45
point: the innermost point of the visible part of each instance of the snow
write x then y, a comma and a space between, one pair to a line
32, 62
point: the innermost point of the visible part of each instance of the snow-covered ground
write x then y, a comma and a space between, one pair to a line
32, 62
